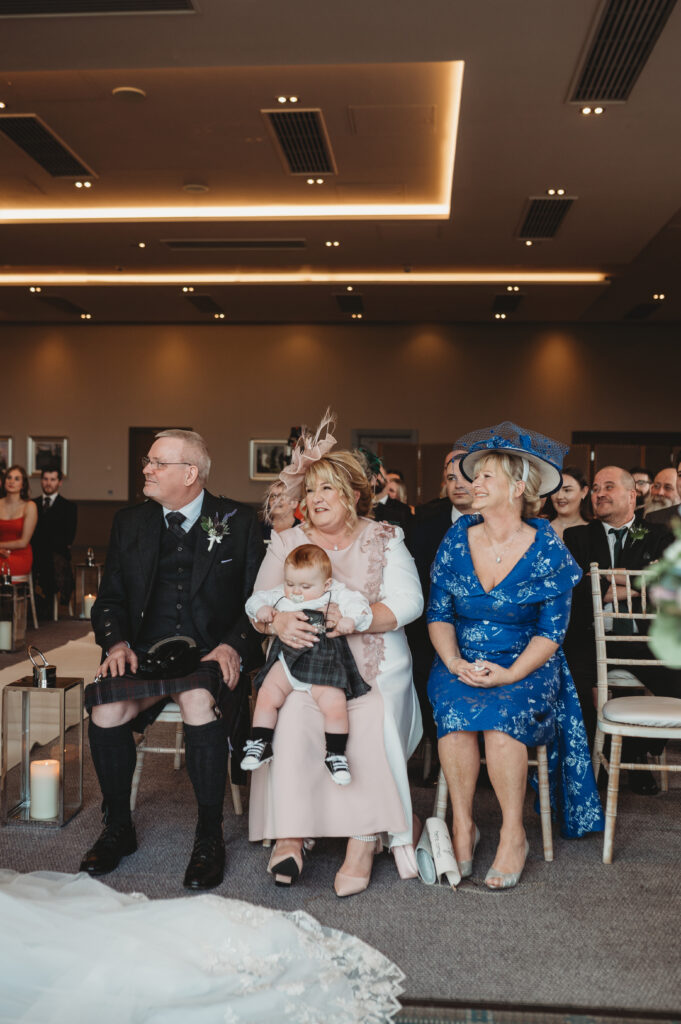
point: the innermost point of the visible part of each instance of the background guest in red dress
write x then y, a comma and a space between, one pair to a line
18, 518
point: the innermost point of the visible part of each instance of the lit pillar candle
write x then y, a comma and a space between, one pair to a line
88, 601
5, 636
44, 789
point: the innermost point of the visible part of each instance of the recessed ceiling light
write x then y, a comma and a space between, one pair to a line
129, 92
320, 181
658, 297
348, 287
2, 105
33, 288
187, 288
293, 99
331, 244
195, 187
499, 316
86, 316
83, 184
141, 245
528, 241
218, 316
586, 110
512, 288
598, 110
550, 191
560, 191
281, 99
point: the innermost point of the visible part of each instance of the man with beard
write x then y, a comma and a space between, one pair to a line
614, 539
665, 510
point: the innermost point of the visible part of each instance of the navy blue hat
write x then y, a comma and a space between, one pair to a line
509, 439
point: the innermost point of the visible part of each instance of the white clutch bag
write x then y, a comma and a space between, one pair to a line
434, 855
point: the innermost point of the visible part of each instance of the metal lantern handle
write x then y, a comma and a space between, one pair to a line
40, 653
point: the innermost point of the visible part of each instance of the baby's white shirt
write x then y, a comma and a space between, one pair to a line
352, 604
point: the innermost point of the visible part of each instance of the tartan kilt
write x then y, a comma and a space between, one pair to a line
328, 663
233, 704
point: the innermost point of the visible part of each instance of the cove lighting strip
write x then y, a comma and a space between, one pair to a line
189, 277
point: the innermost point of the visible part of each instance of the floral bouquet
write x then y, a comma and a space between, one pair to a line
664, 586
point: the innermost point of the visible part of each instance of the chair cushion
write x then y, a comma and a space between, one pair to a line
655, 712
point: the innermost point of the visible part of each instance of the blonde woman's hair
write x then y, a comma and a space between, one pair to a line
512, 467
343, 471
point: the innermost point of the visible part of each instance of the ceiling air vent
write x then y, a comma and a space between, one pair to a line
29, 133
59, 8
62, 305
204, 304
233, 244
302, 140
543, 217
350, 303
623, 40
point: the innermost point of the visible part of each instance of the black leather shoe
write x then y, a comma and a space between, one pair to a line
116, 841
206, 866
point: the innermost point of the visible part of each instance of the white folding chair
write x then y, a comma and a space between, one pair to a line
55, 608
642, 716
172, 714
541, 763
28, 578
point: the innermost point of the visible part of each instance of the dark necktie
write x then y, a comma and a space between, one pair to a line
619, 544
175, 520
621, 627
46, 503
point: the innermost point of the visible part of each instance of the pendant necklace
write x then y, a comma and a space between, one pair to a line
498, 555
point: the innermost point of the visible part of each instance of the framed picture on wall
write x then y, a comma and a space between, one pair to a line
5, 452
46, 452
267, 458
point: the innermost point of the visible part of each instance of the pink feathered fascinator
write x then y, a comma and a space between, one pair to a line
310, 448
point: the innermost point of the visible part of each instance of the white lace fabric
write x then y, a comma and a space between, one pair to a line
74, 949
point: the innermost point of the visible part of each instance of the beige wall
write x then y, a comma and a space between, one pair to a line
233, 383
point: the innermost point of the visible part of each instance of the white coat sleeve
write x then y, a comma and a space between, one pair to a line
401, 588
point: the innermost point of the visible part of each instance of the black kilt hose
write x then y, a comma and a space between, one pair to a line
327, 663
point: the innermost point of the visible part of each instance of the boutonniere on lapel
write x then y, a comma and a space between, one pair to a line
216, 528
638, 531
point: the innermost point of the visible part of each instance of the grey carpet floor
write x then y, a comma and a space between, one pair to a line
575, 933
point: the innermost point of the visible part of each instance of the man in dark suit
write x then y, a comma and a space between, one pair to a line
671, 515
180, 565
615, 538
51, 542
427, 535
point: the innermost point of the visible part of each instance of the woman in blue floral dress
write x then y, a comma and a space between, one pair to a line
499, 608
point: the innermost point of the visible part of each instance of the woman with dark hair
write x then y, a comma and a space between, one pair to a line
571, 502
18, 518
293, 797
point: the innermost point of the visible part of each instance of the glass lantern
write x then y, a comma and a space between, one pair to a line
42, 752
88, 579
13, 611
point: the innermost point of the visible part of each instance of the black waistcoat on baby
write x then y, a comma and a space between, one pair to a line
169, 611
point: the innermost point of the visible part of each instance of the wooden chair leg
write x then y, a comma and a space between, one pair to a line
441, 796
177, 760
664, 776
137, 773
236, 792
599, 740
545, 802
427, 757
611, 804
55, 608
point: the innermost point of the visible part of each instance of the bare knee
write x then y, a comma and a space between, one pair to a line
196, 706
108, 716
332, 704
273, 692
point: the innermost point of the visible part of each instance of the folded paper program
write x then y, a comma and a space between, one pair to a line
434, 854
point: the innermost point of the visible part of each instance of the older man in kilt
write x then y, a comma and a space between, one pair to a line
180, 565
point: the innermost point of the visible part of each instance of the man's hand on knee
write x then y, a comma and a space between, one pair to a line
119, 658
228, 660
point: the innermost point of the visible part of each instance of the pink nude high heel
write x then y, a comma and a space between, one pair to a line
288, 867
350, 885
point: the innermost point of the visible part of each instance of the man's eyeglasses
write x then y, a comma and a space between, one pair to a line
157, 464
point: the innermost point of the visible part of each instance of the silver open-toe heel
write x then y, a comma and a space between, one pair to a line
507, 879
466, 866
